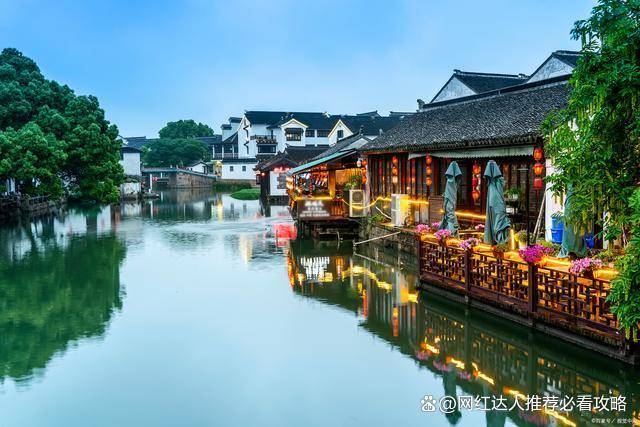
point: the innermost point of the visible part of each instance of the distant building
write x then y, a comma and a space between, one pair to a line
130, 161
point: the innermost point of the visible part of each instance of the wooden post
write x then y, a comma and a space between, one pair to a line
331, 182
532, 289
467, 275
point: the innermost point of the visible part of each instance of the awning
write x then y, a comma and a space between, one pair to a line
416, 155
320, 161
470, 153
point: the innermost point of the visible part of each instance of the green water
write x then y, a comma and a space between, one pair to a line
189, 311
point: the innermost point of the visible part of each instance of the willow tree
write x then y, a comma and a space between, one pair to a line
594, 142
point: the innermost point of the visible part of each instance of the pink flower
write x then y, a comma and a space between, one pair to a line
579, 266
442, 235
479, 227
435, 225
422, 228
469, 243
534, 254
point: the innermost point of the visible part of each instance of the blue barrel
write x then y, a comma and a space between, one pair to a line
589, 240
557, 228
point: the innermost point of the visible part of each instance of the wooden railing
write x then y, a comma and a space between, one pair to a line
537, 293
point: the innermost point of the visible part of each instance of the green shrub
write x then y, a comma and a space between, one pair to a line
230, 186
247, 194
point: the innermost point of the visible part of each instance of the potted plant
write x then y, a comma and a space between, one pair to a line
442, 236
422, 228
499, 250
534, 254
512, 194
469, 243
521, 238
585, 267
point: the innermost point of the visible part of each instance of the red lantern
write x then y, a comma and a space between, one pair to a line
537, 154
364, 163
474, 182
394, 171
538, 168
476, 169
537, 183
429, 181
394, 160
428, 159
428, 170
476, 195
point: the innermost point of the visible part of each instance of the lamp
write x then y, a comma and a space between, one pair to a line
538, 168
429, 181
428, 159
537, 183
537, 154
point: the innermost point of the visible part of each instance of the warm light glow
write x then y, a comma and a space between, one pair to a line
413, 297
429, 181
458, 363
538, 168
537, 154
429, 171
428, 159
475, 194
394, 160
476, 169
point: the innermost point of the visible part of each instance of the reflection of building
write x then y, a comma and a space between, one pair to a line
471, 351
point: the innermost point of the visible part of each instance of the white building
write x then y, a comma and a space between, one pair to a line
130, 161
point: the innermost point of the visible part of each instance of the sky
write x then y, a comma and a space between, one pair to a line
151, 62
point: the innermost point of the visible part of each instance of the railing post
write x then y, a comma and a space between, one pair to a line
532, 278
467, 275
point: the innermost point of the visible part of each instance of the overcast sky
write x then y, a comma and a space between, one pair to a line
150, 62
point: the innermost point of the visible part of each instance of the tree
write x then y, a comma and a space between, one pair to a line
185, 129
175, 152
594, 141
71, 137
595, 145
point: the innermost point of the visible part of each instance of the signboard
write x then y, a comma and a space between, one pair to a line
282, 181
314, 208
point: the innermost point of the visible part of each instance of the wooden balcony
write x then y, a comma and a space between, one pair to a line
545, 296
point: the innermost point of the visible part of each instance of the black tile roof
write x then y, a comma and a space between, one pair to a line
141, 141
484, 82
232, 139
291, 156
320, 121
136, 141
503, 117
341, 145
569, 57
210, 140
370, 125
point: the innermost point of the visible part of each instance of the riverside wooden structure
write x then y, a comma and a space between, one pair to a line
546, 297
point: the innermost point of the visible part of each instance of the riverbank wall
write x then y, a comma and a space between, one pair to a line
15, 207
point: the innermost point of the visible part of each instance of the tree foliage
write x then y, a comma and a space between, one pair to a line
175, 152
47, 133
594, 142
185, 129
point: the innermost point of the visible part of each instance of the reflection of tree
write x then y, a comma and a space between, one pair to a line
54, 296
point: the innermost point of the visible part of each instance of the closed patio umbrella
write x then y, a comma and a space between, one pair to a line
496, 226
449, 220
572, 243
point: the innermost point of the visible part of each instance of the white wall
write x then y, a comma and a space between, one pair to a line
200, 168
552, 204
273, 182
131, 163
553, 67
237, 172
453, 89
333, 135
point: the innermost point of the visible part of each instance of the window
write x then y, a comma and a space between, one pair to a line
293, 134
310, 133
266, 149
244, 169
340, 134
230, 168
322, 133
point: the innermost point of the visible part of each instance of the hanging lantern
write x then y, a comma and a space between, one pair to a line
394, 160
537, 183
475, 194
428, 170
476, 169
538, 168
364, 163
394, 170
428, 159
474, 182
429, 181
537, 154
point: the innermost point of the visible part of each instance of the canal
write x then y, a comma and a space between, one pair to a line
199, 310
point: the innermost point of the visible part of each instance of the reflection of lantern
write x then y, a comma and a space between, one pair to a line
474, 181
537, 183
429, 181
475, 194
394, 160
537, 154
428, 170
476, 169
538, 168
394, 170
428, 159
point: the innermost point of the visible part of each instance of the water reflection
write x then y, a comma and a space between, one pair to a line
55, 289
473, 353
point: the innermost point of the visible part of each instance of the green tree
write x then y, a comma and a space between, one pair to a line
594, 142
81, 145
175, 152
185, 129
